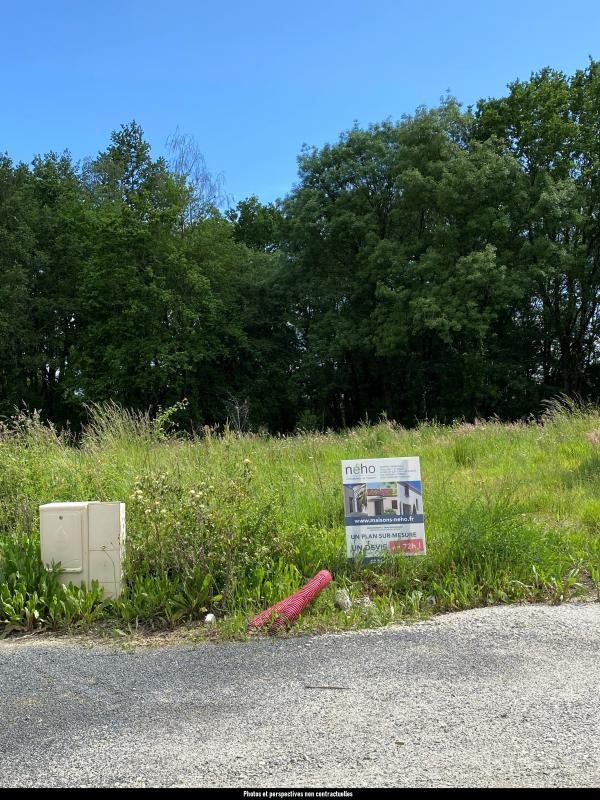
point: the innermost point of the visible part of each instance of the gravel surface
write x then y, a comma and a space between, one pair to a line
504, 696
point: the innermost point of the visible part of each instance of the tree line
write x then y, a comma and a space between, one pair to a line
445, 266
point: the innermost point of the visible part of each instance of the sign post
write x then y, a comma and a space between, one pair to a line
383, 507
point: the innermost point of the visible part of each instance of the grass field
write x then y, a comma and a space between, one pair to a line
233, 523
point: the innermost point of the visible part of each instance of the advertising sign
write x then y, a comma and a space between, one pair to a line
383, 507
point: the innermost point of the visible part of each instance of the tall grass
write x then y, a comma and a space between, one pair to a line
235, 522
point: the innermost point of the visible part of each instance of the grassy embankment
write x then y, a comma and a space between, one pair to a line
512, 514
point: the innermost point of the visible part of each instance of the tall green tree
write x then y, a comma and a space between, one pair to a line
257, 225
550, 124
143, 304
398, 237
17, 243
62, 233
250, 347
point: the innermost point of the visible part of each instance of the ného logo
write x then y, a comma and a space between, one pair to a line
360, 469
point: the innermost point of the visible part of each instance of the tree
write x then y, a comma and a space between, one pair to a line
144, 305
249, 346
43, 242
256, 225
550, 124
62, 228
17, 242
206, 191
397, 238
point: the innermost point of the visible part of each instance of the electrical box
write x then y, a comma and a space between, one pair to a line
88, 540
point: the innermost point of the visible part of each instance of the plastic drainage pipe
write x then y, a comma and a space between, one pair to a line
287, 611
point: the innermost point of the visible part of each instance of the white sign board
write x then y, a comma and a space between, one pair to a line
383, 507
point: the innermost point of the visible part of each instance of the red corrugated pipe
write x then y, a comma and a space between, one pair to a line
287, 611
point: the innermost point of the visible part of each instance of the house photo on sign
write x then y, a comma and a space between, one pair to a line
383, 507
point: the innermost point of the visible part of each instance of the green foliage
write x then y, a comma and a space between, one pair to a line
399, 274
548, 125
166, 600
268, 584
234, 523
463, 452
256, 225
216, 525
32, 597
115, 288
443, 267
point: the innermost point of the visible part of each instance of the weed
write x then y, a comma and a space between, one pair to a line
233, 522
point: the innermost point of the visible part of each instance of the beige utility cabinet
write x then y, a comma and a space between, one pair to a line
88, 540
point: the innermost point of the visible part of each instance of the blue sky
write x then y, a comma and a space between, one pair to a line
254, 81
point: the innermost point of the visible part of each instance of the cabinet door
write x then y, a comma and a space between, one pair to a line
61, 534
105, 566
104, 526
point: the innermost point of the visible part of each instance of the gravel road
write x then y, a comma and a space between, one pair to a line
504, 696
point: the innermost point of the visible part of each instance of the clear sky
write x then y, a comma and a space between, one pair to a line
253, 81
